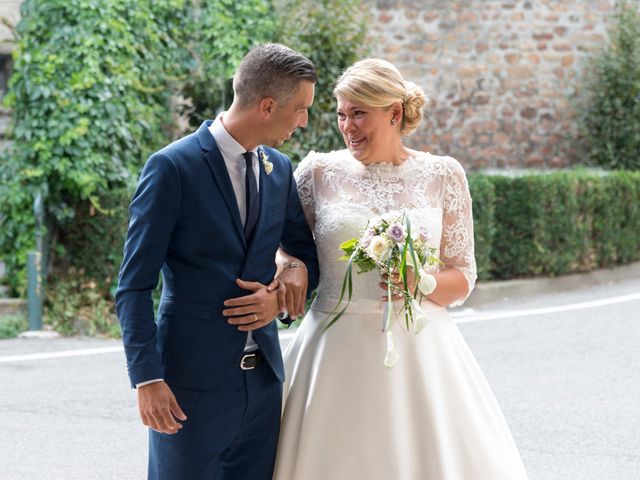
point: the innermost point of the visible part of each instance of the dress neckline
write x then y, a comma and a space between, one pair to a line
383, 166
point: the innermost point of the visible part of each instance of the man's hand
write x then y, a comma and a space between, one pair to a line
294, 277
159, 408
255, 310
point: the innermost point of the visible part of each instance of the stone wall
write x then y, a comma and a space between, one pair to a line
499, 74
9, 11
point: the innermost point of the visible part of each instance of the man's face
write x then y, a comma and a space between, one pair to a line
290, 116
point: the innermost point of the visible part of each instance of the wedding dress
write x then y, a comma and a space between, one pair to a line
346, 416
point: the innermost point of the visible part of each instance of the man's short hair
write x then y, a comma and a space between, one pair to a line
271, 70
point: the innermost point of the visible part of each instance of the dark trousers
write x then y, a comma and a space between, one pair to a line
231, 433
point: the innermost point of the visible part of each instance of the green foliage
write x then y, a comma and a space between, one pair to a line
332, 33
538, 228
484, 200
75, 305
615, 213
553, 224
90, 101
220, 34
610, 118
12, 325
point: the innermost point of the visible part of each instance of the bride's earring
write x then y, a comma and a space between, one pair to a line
394, 121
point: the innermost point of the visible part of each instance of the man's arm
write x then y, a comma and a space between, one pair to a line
153, 214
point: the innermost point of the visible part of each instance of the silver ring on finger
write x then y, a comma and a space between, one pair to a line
255, 317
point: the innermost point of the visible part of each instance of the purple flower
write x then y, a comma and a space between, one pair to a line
397, 233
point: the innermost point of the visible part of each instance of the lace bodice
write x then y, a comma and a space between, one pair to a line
339, 195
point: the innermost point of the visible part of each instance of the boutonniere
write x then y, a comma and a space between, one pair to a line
268, 166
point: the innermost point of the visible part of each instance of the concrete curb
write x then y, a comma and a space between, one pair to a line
497, 291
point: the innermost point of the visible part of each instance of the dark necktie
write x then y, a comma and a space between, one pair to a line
251, 196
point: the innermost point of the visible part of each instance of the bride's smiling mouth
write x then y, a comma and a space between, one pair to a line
356, 142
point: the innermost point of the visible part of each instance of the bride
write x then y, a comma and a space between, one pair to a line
346, 416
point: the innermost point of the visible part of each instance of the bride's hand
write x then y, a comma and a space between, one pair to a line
292, 274
398, 284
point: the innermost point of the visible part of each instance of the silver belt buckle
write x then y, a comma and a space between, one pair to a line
246, 357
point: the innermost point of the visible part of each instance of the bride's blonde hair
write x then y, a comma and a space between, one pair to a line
377, 83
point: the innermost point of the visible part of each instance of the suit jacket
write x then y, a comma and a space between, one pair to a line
184, 222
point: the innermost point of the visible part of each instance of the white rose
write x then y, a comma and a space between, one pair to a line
378, 248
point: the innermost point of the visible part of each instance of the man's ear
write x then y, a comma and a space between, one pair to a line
267, 107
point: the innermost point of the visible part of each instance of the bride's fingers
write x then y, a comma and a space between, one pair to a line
395, 290
394, 277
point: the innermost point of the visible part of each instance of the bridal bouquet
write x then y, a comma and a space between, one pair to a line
391, 244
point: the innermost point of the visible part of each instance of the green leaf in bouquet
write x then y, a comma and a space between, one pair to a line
347, 287
349, 246
365, 266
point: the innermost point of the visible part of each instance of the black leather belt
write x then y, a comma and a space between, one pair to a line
251, 360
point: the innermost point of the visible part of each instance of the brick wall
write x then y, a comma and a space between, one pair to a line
499, 74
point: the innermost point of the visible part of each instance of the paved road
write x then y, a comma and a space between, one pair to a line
568, 382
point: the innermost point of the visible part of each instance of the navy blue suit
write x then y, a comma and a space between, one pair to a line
184, 222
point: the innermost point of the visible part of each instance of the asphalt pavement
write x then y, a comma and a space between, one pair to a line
564, 366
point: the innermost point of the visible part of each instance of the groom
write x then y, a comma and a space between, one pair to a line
210, 212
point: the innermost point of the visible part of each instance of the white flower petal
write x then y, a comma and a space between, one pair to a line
427, 283
420, 317
391, 357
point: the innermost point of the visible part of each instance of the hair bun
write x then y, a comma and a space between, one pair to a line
414, 100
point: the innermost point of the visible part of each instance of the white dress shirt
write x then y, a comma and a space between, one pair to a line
236, 166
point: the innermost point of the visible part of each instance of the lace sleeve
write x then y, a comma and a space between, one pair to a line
456, 247
304, 179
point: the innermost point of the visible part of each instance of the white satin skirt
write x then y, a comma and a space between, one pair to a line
346, 416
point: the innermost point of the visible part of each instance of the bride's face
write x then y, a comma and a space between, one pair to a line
367, 131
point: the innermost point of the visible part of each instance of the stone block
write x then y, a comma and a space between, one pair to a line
519, 72
561, 46
560, 31
533, 58
512, 58
501, 138
528, 112
534, 161
542, 36
468, 71
470, 17
430, 16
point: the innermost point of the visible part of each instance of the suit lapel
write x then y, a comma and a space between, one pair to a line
221, 176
